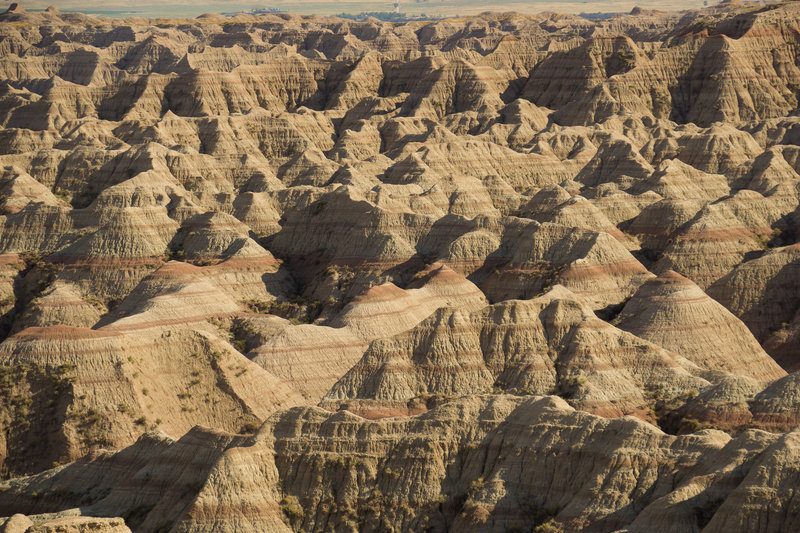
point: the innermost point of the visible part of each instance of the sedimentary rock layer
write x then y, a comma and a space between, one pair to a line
507, 272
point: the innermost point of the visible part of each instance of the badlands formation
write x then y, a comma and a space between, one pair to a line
499, 273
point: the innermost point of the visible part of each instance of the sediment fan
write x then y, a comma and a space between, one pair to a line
498, 273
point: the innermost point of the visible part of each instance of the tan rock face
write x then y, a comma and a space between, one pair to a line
676, 314
466, 457
494, 273
552, 343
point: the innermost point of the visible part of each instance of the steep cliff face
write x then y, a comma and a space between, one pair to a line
495, 273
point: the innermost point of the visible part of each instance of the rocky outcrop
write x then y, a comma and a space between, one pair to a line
457, 464
551, 343
490, 273
677, 315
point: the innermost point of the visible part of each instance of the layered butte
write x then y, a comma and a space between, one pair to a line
496, 273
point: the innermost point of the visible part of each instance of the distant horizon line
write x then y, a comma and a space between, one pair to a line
592, 10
